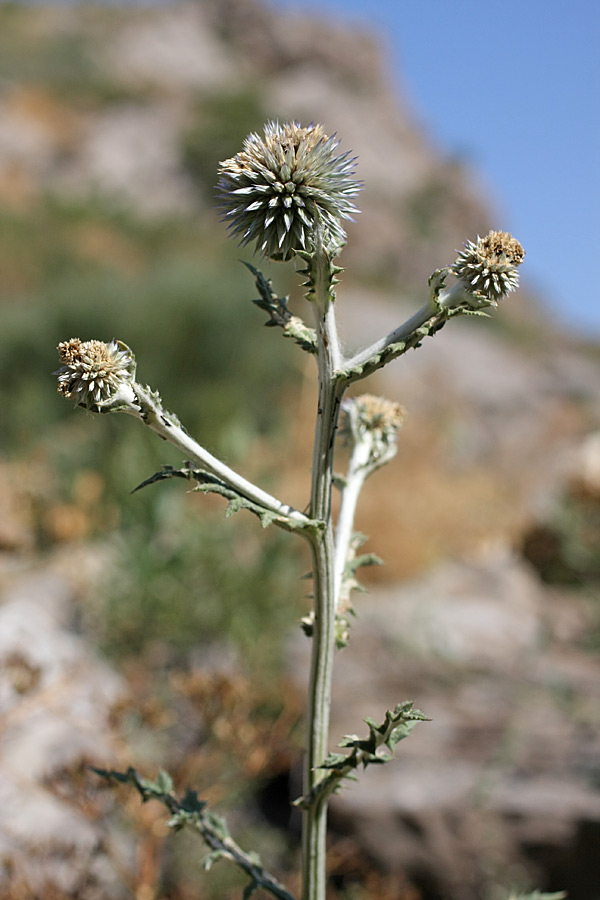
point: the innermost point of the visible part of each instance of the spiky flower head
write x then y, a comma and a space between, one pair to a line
281, 186
374, 421
96, 374
488, 267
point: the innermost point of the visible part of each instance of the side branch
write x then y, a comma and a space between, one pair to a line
429, 319
150, 410
192, 813
442, 305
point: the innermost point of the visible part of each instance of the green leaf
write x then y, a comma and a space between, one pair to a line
192, 812
365, 559
334, 761
111, 775
401, 732
279, 314
191, 803
210, 859
178, 820
164, 782
397, 724
187, 471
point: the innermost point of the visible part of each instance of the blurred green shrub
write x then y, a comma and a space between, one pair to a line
181, 299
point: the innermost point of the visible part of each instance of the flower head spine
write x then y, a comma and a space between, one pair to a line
280, 187
98, 375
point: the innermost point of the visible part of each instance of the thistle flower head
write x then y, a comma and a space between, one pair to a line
487, 267
97, 374
374, 421
281, 186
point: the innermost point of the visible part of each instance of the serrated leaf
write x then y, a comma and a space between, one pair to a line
111, 775
188, 472
164, 782
401, 732
210, 859
362, 561
191, 802
233, 506
373, 724
334, 761
193, 813
371, 750
266, 518
162, 785
178, 820
218, 824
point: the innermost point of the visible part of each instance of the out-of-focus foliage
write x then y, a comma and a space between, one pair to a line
180, 299
219, 127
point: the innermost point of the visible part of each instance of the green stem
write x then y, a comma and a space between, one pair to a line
322, 544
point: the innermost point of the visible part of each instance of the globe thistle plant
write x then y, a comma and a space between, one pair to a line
282, 186
488, 267
289, 192
97, 375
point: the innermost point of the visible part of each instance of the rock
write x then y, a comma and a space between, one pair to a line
502, 783
55, 700
131, 154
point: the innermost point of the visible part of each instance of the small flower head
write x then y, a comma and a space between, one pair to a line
98, 375
487, 267
280, 187
374, 421
378, 414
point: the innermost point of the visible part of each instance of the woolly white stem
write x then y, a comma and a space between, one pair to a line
149, 410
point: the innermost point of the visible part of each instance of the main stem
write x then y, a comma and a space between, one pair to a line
323, 641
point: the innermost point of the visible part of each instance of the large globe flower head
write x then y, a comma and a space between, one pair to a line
280, 188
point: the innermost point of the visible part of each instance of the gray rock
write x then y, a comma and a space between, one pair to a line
55, 700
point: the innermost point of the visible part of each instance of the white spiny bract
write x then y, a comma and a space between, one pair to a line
488, 267
94, 372
279, 188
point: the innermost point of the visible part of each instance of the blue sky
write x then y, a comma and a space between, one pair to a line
514, 90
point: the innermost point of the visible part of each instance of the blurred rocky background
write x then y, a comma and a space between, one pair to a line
145, 629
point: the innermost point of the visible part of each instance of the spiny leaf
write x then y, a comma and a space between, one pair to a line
397, 724
191, 803
279, 314
187, 471
365, 559
210, 859
334, 760
192, 812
